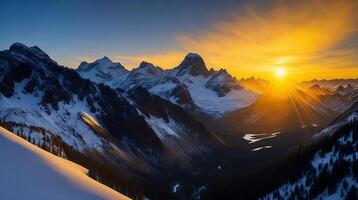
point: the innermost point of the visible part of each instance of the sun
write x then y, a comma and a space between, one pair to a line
280, 72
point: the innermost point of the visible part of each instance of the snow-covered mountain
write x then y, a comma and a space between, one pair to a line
28, 172
190, 85
134, 132
328, 168
102, 69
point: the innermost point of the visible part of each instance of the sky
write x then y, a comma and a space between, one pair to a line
310, 39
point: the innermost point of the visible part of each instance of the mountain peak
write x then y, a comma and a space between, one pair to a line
18, 46
144, 64
34, 53
193, 55
105, 60
224, 71
193, 63
103, 63
146, 67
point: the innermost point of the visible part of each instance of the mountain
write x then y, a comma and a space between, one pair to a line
331, 84
255, 84
102, 68
190, 85
318, 90
36, 91
338, 99
324, 168
192, 64
271, 113
328, 168
180, 133
172, 123
136, 134
345, 89
28, 172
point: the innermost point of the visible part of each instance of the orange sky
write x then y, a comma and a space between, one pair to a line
310, 39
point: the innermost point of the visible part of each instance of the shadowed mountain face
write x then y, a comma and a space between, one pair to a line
193, 64
32, 78
270, 113
136, 133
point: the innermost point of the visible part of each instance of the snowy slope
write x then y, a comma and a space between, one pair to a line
348, 116
331, 173
320, 164
189, 85
102, 69
207, 94
172, 124
28, 172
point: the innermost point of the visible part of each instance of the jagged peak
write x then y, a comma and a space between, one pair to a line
220, 73
145, 64
223, 71
146, 67
34, 53
104, 59
83, 63
101, 63
193, 63
18, 46
192, 55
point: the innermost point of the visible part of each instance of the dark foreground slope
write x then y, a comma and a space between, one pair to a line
326, 168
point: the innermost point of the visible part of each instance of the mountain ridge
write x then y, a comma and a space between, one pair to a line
192, 77
36, 92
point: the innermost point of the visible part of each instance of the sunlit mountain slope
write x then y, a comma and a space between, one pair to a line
28, 172
281, 107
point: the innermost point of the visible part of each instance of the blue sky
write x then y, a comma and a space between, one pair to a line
71, 30
310, 39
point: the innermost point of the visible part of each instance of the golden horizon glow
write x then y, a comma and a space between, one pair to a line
309, 38
302, 36
287, 89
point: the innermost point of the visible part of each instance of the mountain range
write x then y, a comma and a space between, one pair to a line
161, 133
190, 85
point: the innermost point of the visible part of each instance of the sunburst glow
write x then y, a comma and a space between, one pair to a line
280, 72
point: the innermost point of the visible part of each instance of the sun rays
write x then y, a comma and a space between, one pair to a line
284, 87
